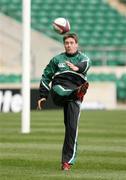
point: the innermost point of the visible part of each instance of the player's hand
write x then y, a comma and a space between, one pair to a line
72, 66
41, 103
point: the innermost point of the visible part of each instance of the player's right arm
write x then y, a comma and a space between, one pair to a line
44, 87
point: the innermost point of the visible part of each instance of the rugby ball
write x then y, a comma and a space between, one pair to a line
61, 25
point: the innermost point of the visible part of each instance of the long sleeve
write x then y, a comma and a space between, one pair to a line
47, 75
84, 65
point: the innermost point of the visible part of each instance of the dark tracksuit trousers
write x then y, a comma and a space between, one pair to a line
71, 117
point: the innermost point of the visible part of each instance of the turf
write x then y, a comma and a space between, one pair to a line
36, 156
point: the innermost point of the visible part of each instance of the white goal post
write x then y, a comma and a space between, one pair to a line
26, 43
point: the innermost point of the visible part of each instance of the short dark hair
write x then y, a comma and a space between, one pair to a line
71, 35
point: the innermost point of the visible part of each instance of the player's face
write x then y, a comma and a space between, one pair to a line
70, 46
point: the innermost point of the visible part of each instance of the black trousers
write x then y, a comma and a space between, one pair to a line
71, 118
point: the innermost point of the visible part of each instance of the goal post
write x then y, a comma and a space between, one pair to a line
26, 43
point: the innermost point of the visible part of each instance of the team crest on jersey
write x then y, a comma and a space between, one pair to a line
61, 65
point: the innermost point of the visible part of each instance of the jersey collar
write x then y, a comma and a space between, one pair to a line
71, 55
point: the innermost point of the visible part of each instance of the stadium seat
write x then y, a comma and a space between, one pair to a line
121, 90
10, 78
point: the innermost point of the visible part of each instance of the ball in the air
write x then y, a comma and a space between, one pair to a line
61, 25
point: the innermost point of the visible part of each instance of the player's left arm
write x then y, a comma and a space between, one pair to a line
81, 67
72, 66
84, 65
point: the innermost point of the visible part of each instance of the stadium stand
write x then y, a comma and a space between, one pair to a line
99, 25
101, 29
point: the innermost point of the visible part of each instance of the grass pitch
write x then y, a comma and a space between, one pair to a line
36, 156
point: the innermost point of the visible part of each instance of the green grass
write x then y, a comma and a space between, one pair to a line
36, 156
